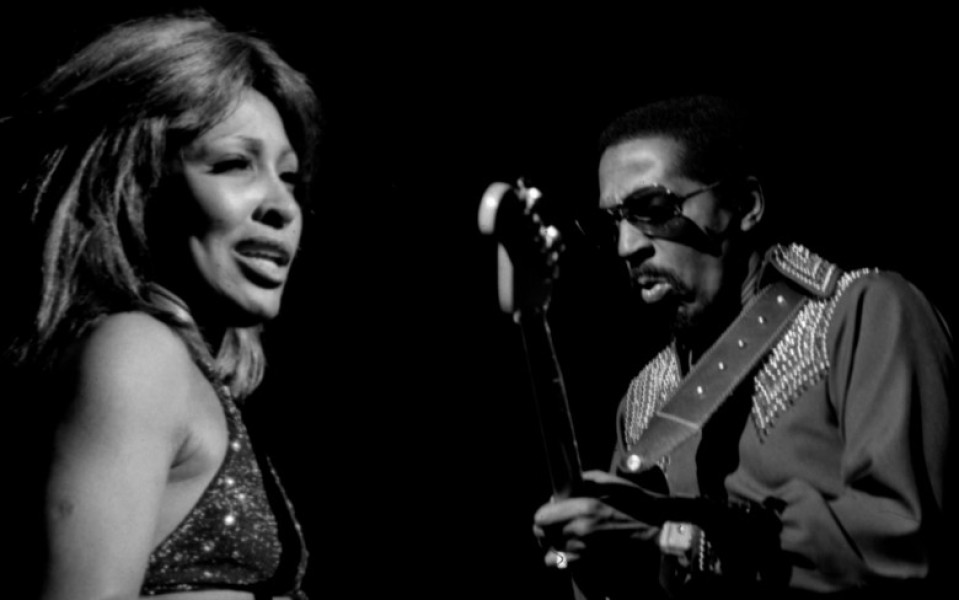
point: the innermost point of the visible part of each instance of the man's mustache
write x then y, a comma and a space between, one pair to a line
650, 272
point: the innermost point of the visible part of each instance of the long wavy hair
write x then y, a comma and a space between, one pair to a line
96, 143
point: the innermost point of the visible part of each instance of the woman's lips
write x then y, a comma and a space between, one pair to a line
264, 261
266, 249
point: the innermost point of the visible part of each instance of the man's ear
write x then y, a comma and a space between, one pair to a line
753, 204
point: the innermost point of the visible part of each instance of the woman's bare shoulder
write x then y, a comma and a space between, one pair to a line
129, 388
132, 335
131, 362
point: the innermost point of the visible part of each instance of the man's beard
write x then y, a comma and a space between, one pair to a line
668, 310
696, 328
699, 330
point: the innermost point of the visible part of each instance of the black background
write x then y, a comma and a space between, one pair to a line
396, 405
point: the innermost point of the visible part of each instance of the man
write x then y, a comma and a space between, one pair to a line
793, 436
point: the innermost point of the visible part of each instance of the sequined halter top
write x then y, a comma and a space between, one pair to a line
241, 534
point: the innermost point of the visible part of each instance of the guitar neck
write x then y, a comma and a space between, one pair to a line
552, 405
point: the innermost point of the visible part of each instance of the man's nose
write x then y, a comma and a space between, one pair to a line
631, 239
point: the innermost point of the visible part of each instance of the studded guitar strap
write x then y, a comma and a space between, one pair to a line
720, 370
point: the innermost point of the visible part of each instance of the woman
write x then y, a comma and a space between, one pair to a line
163, 170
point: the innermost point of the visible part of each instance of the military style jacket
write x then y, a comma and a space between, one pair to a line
842, 427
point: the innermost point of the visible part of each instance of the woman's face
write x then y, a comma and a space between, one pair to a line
244, 226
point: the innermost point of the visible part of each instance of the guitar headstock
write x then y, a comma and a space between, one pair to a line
529, 249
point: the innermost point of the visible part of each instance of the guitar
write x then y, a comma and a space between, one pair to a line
528, 254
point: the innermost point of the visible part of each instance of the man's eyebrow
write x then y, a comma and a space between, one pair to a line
620, 198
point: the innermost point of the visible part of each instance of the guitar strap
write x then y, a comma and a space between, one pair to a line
720, 370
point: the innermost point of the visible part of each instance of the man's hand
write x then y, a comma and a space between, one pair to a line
590, 525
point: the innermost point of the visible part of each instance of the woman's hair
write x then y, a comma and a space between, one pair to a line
96, 146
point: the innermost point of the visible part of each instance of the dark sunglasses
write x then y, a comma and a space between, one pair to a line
652, 206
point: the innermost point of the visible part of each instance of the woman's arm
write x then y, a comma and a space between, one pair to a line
112, 454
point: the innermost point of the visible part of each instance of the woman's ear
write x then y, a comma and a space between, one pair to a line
753, 204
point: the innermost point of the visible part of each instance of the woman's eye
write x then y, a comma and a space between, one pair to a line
237, 163
292, 179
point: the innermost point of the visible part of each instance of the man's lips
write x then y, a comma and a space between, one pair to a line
655, 291
654, 286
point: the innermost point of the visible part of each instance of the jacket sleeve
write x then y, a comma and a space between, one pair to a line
889, 384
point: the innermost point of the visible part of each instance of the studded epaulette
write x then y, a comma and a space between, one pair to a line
799, 360
649, 391
810, 271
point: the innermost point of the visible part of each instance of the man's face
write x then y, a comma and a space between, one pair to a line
674, 270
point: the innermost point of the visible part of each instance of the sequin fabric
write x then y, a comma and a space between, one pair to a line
804, 267
231, 537
649, 390
798, 361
